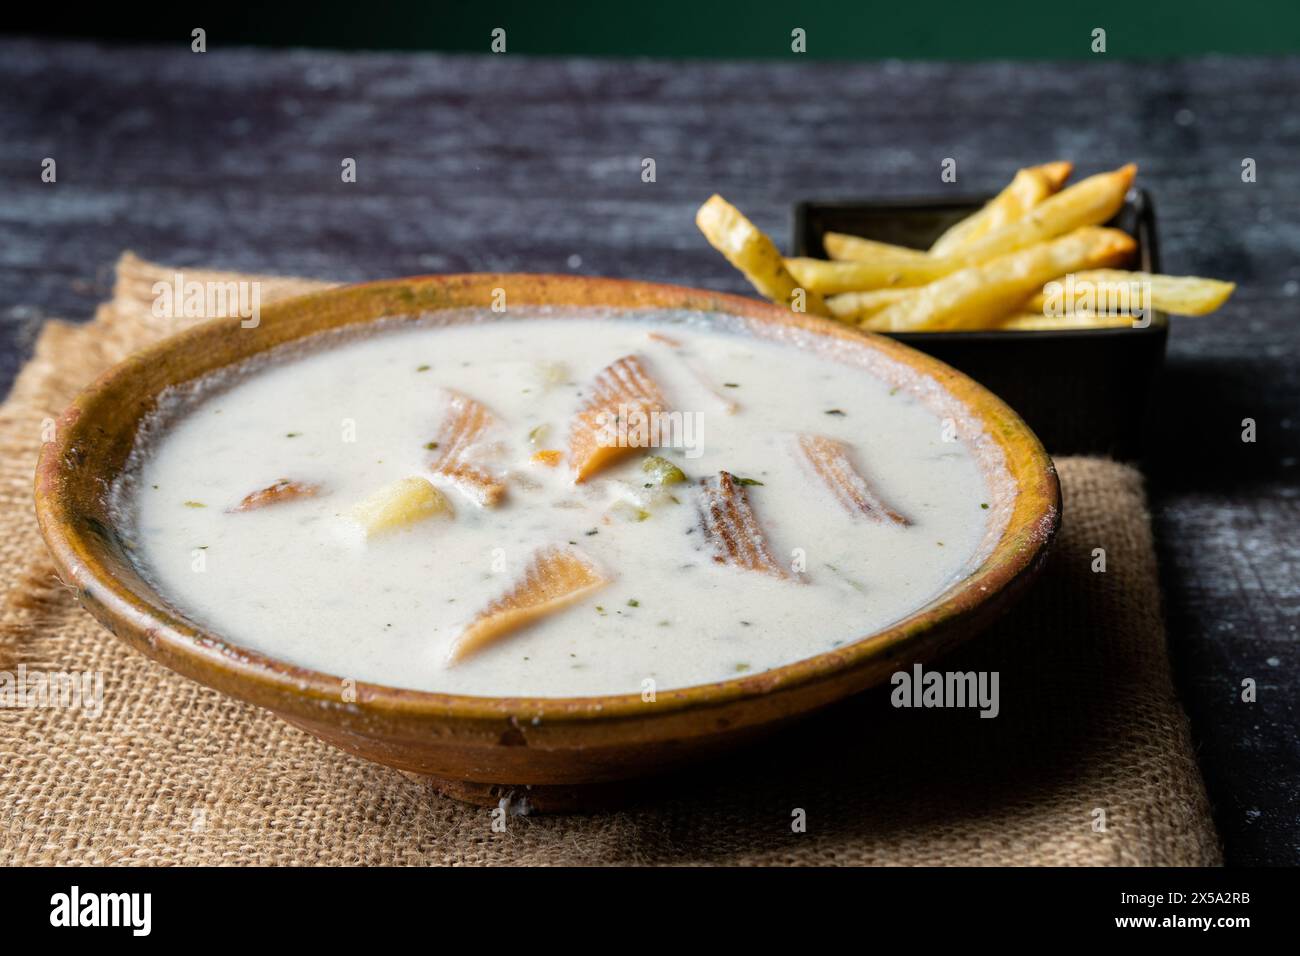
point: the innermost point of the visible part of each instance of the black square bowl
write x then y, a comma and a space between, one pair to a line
1084, 391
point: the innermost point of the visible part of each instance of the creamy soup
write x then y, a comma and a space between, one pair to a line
450, 508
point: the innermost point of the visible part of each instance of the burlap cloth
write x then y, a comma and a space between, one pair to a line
1090, 730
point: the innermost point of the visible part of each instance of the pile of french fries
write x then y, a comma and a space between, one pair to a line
1000, 268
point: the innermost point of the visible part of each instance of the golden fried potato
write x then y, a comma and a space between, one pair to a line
978, 296
1029, 187
855, 306
828, 278
856, 249
1103, 289
1037, 322
1090, 202
756, 255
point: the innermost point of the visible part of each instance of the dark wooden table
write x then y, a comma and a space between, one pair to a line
232, 158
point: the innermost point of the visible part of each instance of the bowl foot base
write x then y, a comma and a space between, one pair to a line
541, 798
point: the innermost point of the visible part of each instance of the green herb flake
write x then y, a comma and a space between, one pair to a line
851, 582
292, 434
591, 532
431, 445
195, 504
422, 368
747, 481
984, 505
836, 411
633, 602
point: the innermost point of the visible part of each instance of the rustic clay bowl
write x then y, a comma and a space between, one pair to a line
558, 752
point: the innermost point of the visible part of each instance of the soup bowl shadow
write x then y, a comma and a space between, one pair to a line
558, 754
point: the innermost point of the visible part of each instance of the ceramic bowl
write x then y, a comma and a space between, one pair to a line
564, 751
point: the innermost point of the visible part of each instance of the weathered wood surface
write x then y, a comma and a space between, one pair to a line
232, 159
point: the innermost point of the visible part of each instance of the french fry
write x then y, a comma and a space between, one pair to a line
972, 275
978, 296
1029, 187
1057, 173
275, 493
856, 249
731, 528
622, 388
399, 505
459, 456
856, 306
1037, 322
554, 579
829, 278
1179, 295
1089, 202
754, 254
829, 461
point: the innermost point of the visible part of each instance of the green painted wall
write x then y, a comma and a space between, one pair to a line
869, 29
